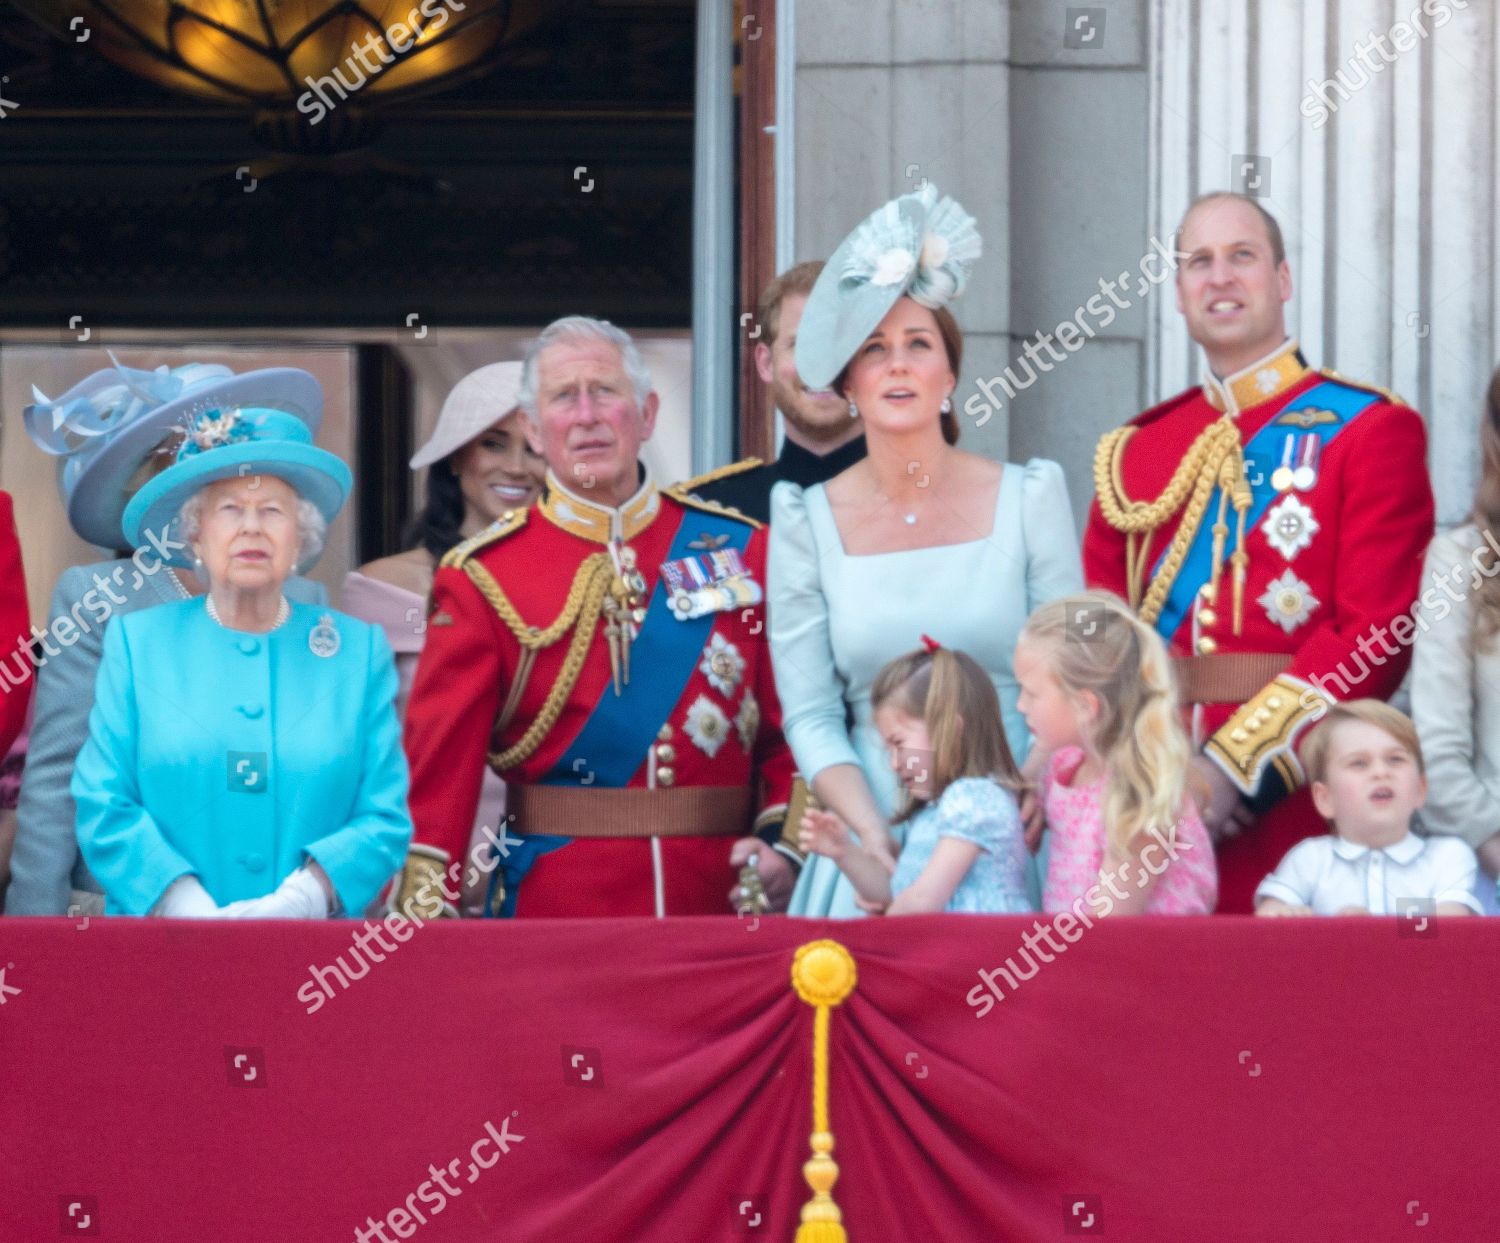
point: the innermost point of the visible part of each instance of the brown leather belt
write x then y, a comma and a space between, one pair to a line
587, 811
1227, 677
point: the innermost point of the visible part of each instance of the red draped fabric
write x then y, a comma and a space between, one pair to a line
637, 1080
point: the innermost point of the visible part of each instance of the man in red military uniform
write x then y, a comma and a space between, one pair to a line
1271, 525
606, 652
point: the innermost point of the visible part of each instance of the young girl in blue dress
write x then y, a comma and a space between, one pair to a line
939, 717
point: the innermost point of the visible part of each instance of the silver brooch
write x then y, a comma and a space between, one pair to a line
324, 640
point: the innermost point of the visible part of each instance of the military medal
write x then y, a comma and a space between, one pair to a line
747, 721
1306, 474
1288, 601
712, 583
1281, 477
723, 665
1289, 526
706, 725
324, 640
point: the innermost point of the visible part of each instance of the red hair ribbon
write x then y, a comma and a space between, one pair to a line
930, 643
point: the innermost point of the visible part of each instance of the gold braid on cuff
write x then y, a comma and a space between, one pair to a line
1263, 733
420, 893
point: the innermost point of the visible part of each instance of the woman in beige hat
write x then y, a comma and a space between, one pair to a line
480, 469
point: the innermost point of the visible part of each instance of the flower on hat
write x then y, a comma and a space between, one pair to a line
893, 267
920, 245
949, 250
213, 429
934, 251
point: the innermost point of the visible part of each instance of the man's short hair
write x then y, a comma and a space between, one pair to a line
797, 280
1374, 712
582, 327
1273, 230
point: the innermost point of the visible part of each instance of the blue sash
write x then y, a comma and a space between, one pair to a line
1262, 456
614, 741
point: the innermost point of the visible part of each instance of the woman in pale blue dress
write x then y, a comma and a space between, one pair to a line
919, 538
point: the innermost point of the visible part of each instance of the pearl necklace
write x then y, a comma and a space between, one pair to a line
283, 611
177, 583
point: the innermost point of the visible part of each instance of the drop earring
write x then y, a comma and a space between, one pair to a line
853, 410
947, 406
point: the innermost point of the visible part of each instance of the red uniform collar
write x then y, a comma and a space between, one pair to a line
600, 524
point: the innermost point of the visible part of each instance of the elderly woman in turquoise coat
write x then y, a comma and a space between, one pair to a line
244, 755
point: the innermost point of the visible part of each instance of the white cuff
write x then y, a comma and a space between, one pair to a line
186, 898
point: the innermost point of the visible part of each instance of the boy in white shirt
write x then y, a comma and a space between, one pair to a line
1365, 765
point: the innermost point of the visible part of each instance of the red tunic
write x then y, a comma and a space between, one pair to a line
719, 730
1331, 594
15, 629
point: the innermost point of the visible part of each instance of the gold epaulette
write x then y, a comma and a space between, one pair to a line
723, 472
679, 493
1394, 398
507, 524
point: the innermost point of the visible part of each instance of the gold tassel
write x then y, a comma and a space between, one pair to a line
1221, 532
1135, 553
1243, 498
823, 974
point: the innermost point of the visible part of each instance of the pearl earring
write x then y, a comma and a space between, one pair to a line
853, 410
947, 406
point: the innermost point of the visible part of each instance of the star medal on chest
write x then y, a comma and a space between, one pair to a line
722, 665
1288, 601
624, 611
1289, 526
709, 582
324, 640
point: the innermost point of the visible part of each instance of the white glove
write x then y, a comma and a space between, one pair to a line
186, 898
299, 896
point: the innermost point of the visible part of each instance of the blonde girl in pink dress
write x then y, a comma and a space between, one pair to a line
1098, 696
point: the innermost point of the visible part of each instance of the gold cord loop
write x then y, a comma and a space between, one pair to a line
1215, 459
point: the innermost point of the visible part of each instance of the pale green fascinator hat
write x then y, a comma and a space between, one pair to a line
922, 246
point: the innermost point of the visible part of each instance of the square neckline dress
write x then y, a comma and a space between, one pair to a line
836, 619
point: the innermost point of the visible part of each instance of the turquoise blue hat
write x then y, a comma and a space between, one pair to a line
921, 246
237, 443
104, 427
